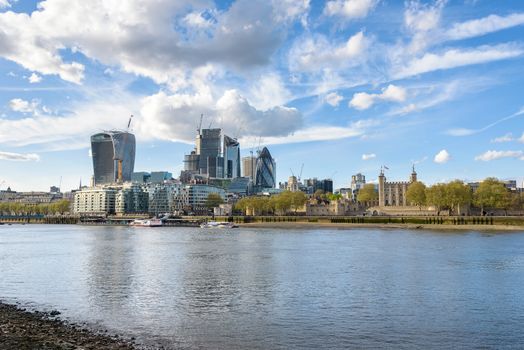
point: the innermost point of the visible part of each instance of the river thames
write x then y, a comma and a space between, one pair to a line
253, 288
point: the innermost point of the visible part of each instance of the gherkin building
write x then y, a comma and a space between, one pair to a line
265, 170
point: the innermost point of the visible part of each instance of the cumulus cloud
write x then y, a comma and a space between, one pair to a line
23, 106
19, 156
333, 99
363, 100
368, 156
269, 91
144, 40
34, 78
350, 9
506, 138
420, 17
493, 155
458, 57
316, 52
481, 26
442, 157
174, 117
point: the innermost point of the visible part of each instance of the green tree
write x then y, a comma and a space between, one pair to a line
213, 200
367, 194
458, 195
334, 197
298, 199
492, 194
416, 194
436, 196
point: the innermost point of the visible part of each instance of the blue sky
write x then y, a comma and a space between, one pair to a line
343, 86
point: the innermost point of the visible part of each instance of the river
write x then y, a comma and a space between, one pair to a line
253, 288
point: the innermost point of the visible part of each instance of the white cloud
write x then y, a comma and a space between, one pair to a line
350, 9
458, 57
34, 78
19, 105
442, 157
333, 99
156, 40
175, 117
363, 100
368, 156
269, 91
289, 10
420, 17
322, 133
196, 19
506, 138
4, 4
468, 132
489, 24
493, 155
19, 156
312, 54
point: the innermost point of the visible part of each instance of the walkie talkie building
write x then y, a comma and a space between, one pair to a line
265, 170
109, 149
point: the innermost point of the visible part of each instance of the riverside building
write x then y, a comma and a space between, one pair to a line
393, 193
113, 154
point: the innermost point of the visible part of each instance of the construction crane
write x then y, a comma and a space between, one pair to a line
300, 175
2, 183
292, 173
129, 123
199, 129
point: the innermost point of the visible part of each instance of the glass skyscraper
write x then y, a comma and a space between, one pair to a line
108, 150
231, 158
266, 170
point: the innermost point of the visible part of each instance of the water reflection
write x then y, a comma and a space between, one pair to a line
259, 289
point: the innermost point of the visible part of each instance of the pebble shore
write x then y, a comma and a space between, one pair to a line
21, 329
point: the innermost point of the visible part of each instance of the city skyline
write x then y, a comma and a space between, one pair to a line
344, 87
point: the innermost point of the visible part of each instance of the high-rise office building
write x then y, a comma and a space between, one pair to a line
113, 155
213, 157
231, 158
265, 176
208, 148
249, 165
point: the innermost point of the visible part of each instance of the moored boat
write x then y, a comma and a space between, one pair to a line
146, 223
216, 224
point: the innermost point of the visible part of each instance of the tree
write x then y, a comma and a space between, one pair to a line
492, 194
416, 194
298, 199
436, 196
367, 194
334, 197
319, 194
213, 200
458, 194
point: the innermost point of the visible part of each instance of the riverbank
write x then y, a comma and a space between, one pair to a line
22, 329
349, 226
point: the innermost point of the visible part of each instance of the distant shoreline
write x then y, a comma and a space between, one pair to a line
349, 226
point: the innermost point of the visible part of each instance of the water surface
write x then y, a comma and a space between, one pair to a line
272, 288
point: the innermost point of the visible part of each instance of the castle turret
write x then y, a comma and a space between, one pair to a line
381, 188
413, 177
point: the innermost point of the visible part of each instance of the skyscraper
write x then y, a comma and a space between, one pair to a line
265, 176
249, 165
208, 148
113, 155
231, 158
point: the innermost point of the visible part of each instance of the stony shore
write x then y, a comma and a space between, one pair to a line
21, 329
349, 226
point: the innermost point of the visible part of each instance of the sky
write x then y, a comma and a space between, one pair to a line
340, 86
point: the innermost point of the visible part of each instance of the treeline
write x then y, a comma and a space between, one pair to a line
12, 208
277, 204
457, 196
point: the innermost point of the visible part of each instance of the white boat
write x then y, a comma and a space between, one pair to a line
146, 223
216, 224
